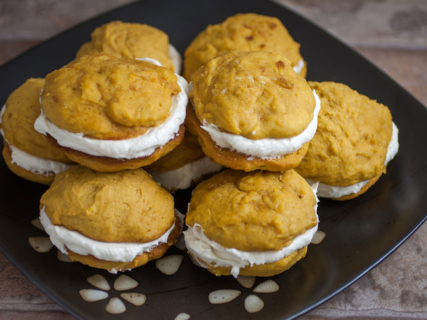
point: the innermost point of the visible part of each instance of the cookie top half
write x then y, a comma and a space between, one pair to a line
129, 40
22, 110
352, 137
253, 211
255, 94
125, 206
105, 97
242, 32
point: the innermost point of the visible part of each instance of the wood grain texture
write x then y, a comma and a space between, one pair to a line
396, 289
40, 19
385, 23
407, 67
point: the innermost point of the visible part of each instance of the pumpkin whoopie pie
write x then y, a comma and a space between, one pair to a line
354, 142
184, 166
133, 40
28, 153
112, 114
243, 32
114, 221
251, 111
251, 224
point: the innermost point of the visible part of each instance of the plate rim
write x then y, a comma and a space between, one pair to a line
63, 304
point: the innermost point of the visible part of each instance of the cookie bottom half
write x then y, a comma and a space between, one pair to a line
106, 164
23, 173
239, 161
153, 254
264, 270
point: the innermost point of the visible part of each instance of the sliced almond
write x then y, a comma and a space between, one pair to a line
253, 304
63, 257
170, 264
115, 306
36, 223
92, 295
137, 299
180, 243
182, 316
124, 282
223, 296
40, 244
99, 282
268, 286
318, 237
247, 282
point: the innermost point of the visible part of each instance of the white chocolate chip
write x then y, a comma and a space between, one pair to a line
268, 286
137, 299
98, 281
223, 296
40, 244
253, 304
115, 306
124, 282
63, 257
246, 282
318, 237
170, 264
36, 223
92, 295
182, 316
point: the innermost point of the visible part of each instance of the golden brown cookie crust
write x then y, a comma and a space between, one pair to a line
264, 270
352, 137
255, 211
23, 173
110, 98
188, 151
254, 94
105, 164
242, 32
129, 40
155, 253
362, 191
126, 206
239, 161
22, 110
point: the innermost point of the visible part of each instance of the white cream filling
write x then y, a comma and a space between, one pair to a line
63, 238
327, 191
181, 178
32, 163
201, 247
264, 148
36, 164
299, 66
176, 59
141, 146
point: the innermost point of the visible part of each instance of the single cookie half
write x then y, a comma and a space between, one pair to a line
133, 40
252, 111
243, 32
28, 153
184, 166
112, 113
354, 142
113, 221
253, 224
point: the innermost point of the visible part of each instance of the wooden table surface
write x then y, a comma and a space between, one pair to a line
390, 33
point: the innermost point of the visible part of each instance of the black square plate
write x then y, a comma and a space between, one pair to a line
360, 233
